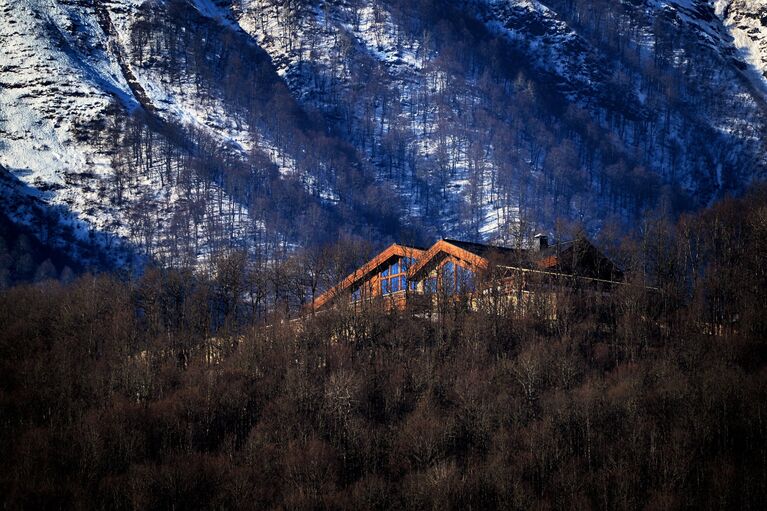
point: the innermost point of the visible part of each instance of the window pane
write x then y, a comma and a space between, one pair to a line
395, 284
448, 277
395, 268
465, 279
385, 286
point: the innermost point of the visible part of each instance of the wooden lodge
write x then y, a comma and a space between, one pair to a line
453, 269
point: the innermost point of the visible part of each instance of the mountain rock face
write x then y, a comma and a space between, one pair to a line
173, 129
746, 21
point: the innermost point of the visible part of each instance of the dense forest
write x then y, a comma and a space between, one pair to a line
179, 389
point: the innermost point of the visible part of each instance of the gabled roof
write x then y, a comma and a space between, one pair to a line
469, 252
393, 250
581, 258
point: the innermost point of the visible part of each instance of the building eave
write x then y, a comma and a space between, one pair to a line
478, 262
395, 249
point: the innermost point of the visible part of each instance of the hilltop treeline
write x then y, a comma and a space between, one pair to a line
178, 391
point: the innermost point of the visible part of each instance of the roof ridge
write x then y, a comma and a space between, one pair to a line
452, 240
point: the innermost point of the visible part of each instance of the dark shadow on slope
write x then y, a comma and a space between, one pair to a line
226, 63
33, 232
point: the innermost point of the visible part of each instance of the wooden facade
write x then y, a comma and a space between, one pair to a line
383, 276
452, 268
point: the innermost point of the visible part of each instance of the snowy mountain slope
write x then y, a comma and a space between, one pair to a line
697, 48
70, 74
58, 76
696, 54
55, 76
391, 90
376, 55
735, 29
746, 21
187, 127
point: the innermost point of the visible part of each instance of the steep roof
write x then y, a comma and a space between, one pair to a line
393, 250
469, 252
579, 257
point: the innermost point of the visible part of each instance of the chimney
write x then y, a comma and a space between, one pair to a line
540, 242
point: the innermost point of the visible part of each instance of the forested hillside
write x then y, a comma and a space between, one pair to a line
179, 179
173, 391
170, 130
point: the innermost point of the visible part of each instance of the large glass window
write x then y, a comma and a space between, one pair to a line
361, 291
394, 276
454, 279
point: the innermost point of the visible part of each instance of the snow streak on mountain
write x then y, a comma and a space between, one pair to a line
174, 129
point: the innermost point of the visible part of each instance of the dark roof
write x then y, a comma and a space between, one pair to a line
414, 247
578, 256
510, 256
484, 250
555, 249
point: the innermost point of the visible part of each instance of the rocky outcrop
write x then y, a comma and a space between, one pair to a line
747, 22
